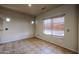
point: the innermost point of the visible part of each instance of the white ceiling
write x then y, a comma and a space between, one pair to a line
34, 10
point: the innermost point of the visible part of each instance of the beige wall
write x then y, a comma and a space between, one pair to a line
1, 22
70, 39
78, 27
19, 27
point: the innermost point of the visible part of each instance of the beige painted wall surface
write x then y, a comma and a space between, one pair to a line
78, 26
19, 27
1, 26
70, 39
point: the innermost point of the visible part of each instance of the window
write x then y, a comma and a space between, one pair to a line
54, 26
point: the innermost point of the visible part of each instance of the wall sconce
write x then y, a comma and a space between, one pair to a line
8, 19
32, 22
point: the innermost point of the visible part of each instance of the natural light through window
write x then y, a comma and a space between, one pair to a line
47, 24
54, 26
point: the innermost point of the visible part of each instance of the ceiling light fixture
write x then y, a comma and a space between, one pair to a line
29, 5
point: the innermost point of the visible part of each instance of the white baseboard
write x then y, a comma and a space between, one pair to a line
6, 39
57, 44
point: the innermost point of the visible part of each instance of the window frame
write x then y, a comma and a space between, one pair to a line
51, 25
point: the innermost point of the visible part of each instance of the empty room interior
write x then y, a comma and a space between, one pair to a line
39, 29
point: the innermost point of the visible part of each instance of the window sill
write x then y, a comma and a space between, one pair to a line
60, 37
